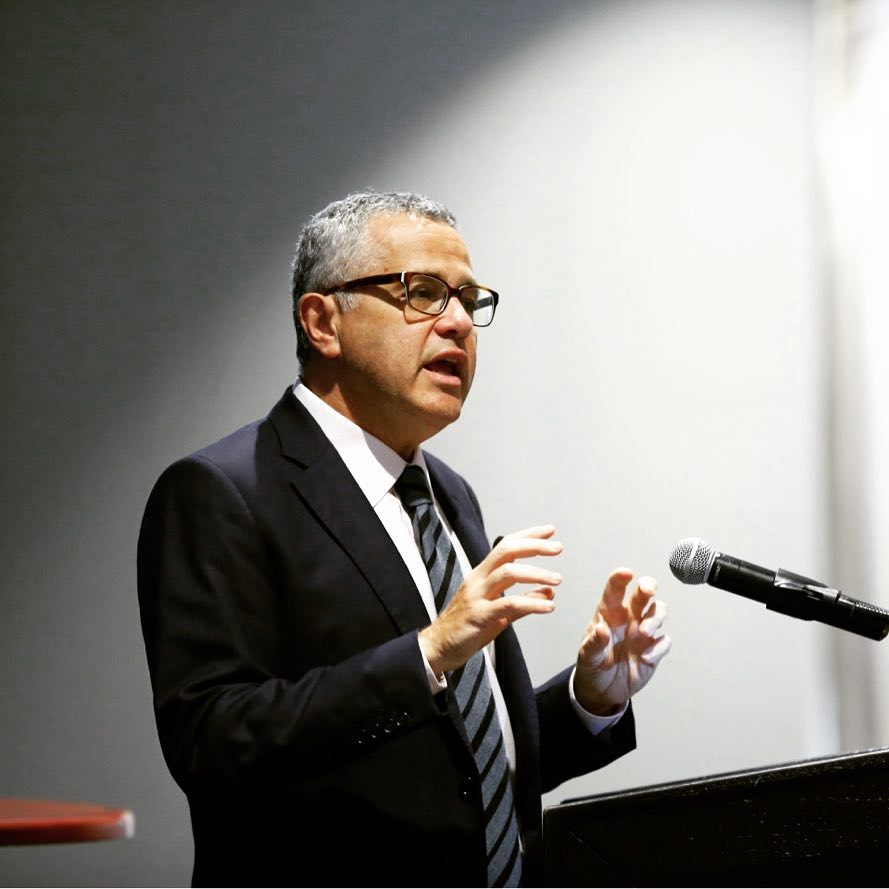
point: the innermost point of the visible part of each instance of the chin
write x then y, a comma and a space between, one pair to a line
441, 413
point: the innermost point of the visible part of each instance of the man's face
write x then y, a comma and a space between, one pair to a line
404, 378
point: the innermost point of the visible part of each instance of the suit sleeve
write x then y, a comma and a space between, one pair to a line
232, 709
567, 747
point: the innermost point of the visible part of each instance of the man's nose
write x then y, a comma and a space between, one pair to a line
455, 318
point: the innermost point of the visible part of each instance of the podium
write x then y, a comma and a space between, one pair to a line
817, 822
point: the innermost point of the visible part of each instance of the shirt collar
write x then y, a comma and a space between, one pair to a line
374, 465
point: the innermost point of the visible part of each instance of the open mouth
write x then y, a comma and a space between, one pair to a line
445, 368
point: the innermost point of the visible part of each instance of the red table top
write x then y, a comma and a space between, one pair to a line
26, 821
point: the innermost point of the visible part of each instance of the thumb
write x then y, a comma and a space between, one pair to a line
596, 644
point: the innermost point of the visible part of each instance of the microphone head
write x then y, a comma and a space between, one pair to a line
692, 559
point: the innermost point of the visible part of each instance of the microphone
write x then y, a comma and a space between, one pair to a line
695, 561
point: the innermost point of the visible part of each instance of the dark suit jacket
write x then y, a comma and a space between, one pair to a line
291, 698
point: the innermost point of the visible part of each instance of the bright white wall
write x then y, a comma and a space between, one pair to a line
634, 177
637, 181
853, 141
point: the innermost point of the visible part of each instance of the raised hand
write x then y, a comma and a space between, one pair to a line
622, 644
480, 610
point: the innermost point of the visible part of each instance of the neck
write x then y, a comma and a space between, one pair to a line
333, 395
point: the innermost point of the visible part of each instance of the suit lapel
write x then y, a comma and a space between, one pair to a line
460, 511
316, 471
321, 480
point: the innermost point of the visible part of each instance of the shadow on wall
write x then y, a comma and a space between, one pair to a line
157, 163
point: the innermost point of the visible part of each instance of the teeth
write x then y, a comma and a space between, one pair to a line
451, 364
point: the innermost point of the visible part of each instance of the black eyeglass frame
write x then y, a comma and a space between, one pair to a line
405, 279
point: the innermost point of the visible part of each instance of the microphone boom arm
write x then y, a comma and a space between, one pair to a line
808, 599
694, 561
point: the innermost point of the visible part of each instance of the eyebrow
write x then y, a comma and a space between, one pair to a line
472, 279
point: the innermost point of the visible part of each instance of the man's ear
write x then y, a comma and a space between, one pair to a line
319, 315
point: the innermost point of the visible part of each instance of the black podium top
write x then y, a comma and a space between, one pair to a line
818, 822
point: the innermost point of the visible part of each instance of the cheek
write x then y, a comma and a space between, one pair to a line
388, 359
472, 364
365, 344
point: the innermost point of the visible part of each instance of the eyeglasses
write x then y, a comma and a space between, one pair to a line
430, 295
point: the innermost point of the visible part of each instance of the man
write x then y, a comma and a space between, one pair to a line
337, 684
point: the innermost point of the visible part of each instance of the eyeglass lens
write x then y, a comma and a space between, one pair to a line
430, 296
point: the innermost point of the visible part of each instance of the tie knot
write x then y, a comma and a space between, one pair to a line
412, 488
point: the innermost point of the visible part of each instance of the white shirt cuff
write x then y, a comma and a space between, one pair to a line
435, 684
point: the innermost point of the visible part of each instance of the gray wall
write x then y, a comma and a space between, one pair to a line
634, 177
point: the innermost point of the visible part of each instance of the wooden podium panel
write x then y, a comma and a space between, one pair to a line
818, 822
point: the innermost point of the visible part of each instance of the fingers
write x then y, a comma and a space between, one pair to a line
507, 575
615, 589
479, 610
502, 569
638, 613
654, 618
655, 653
542, 531
641, 596
595, 644
523, 544
651, 627
514, 607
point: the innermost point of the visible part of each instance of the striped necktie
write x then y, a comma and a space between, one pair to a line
471, 686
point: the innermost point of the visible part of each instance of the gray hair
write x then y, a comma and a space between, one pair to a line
334, 246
